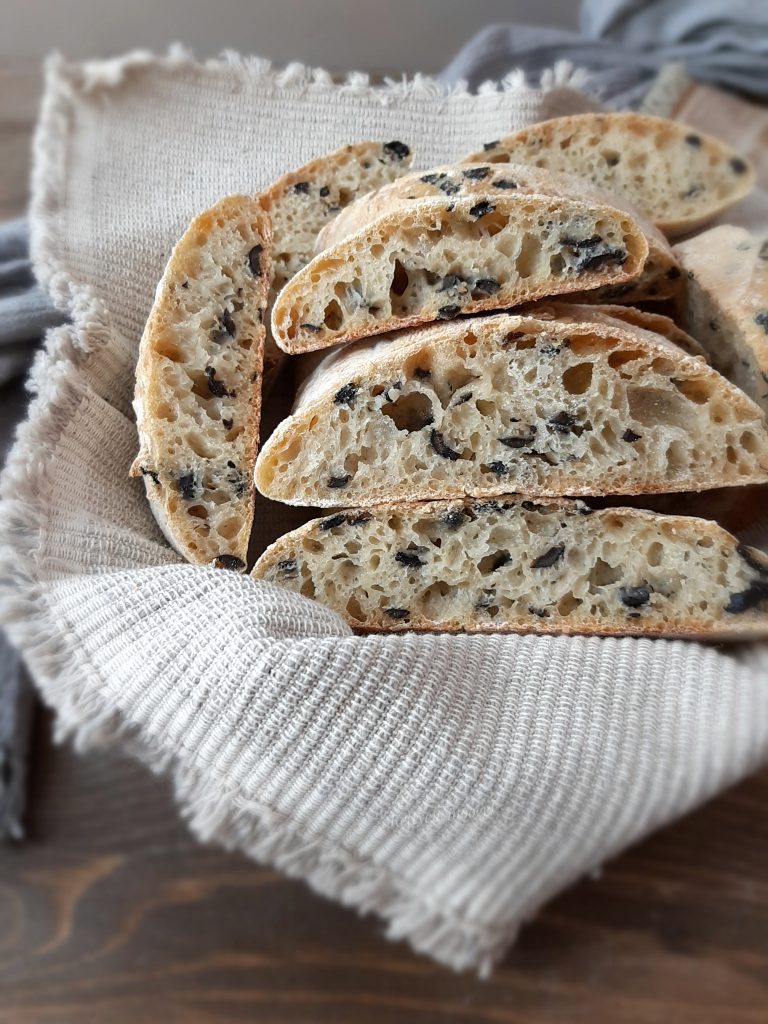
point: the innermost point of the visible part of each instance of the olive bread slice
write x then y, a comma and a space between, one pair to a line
303, 201
525, 565
659, 279
726, 304
432, 259
489, 405
679, 178
198, 384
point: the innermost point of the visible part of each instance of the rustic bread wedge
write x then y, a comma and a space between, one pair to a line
489, 405
198, 384
679, 178
302, 202
432, 259
726, 304
525, 565
659, 279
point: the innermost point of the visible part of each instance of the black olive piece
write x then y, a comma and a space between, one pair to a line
448, 312
519, 442
563, 422
454, 519
748, 554
749, 598
630, 436
612, 160
254, 259
226, 327
229, 562
761, 319
549, 558
301, 188
531, 506
399, 614
448, 282
396, 149
288, 565
505, 183
498, 468
738, 166
409, 559
541, 613
335, 482
501, 559
477, 173
462, 398
329, 524
227, 424
481, 209
490, 145
450, 188
324, 191
188, 486
602, 259
763, 251
310, 327
358, 520
345, 394
437, 441
487, 286
550, 350
150, 473
634, 597
693, 140
216, 388
431, 179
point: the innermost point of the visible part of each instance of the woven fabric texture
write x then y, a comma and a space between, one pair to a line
450, 784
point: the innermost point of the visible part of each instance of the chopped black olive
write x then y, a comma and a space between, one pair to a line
345, 395
761, 319
477, 173
338, 481
490, 145
188, 487
399, 614
301, 188
454, 519
229, 562
310, 327
437, 441
449, 187
498, 468
763, 251
581, 243
749, 598
531, 506
227, 424
481, 209
329, 524
634, 597
185, 285
225, 327
502, 558
254, 259
216, 388
563, 422
359, 519
324, 191
150, 473
487, 286
630, 436
601, 259
693, 140
612, 160
550, 350
288, 565
738, 166
396, 149
542, 613
550, 557
519, 442
431, 179
409, 559
448, 282
463, 398
748, 554
694, 190
506, 183
448, 312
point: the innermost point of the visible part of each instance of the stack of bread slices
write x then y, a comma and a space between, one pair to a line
484, 345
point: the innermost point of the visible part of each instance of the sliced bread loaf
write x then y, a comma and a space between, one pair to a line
432, 259
726, 304
488, 405
658, 279
679, 178
198, 384
522, 565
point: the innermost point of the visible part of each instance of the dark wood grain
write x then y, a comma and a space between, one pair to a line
111, 913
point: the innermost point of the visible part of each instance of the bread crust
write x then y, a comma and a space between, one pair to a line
168, 342
713, 175
287, 563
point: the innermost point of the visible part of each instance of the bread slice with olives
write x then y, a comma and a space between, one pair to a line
198, 384
516, 564
658, 279
679, 178
726, 304
563, 403
433, 259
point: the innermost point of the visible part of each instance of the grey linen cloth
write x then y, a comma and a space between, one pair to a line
625, 43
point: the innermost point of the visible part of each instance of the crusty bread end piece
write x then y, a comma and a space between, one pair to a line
677, 176
518, 564
198, 384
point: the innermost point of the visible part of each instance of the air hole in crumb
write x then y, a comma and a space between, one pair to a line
621, 356
333, 317
602, 574
410, 412
577, 379
696, 391
400, 279
198, 511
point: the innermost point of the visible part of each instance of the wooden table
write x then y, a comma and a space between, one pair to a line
111, 914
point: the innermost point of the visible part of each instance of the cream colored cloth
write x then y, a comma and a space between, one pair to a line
451, 784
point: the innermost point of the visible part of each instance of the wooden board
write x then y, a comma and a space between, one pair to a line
111, 914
